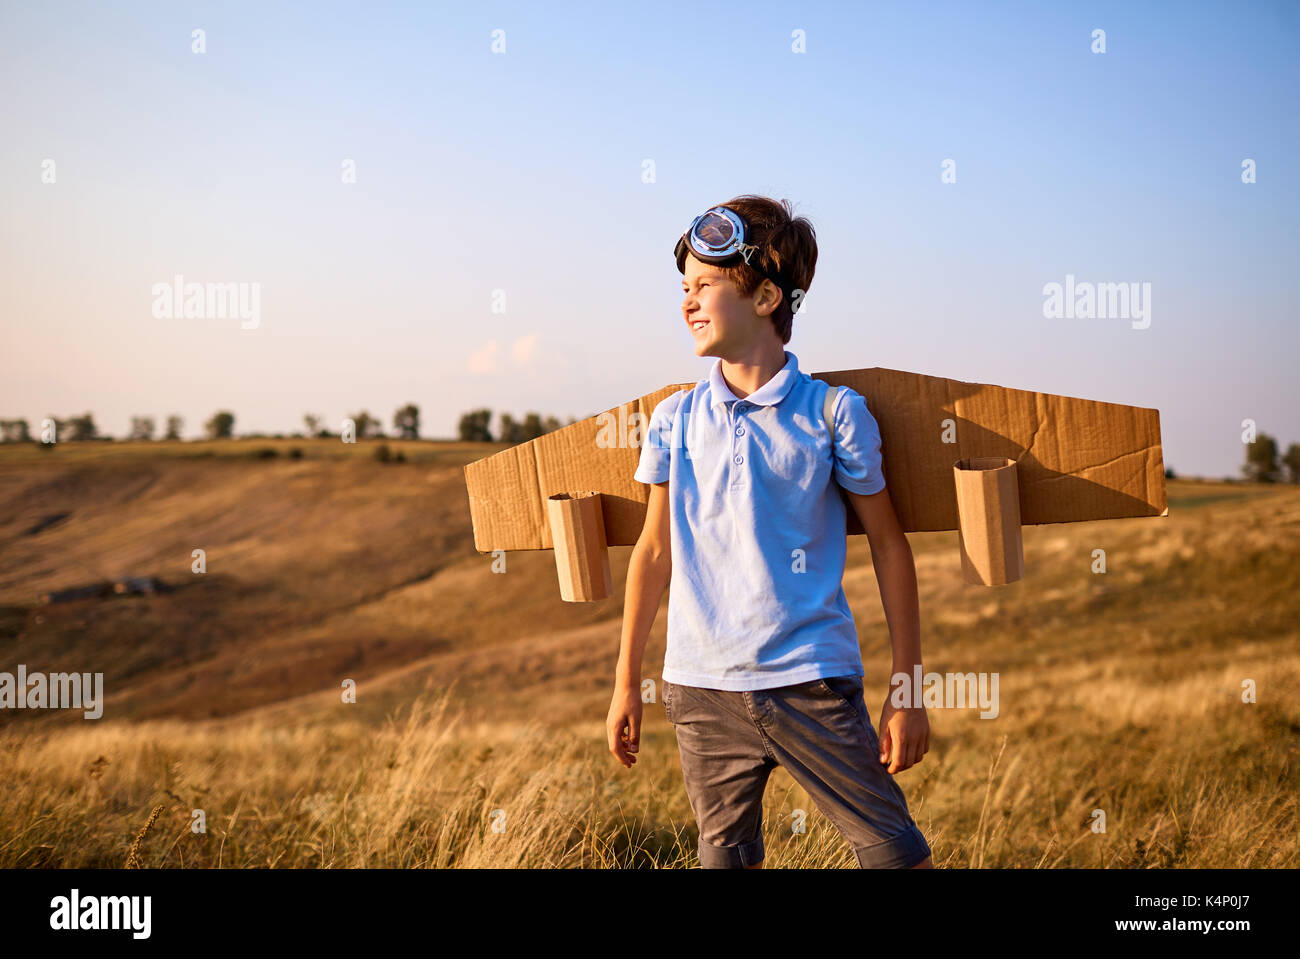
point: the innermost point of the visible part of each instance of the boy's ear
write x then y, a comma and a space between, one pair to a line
767, 298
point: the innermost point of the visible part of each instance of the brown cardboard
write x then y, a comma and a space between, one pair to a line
1076, 459
581, 555
988, 508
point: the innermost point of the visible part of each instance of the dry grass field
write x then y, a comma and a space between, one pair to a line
477, 737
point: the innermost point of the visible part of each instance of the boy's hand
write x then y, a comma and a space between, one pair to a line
623, 725
904, 736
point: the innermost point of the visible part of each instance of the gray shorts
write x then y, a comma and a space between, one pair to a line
821, 733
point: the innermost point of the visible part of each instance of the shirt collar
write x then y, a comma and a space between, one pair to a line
769, 394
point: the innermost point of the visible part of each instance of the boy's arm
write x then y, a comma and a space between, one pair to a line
904, 733
648, 572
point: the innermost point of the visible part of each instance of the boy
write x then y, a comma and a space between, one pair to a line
762, 664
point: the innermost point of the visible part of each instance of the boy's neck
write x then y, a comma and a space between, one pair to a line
746, 372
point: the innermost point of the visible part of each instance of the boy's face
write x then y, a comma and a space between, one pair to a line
731, 323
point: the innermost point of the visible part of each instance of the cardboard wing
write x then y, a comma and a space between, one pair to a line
980, 459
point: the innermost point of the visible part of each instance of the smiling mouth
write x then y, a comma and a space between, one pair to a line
699, 325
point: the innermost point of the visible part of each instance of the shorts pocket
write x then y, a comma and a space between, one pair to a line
668, 699
848, 690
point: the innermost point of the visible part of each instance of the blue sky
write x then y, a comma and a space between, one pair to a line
522, 172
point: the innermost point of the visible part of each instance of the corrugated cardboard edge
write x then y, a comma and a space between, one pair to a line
1112, 467
508, 490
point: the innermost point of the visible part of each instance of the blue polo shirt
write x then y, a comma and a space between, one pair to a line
758, 528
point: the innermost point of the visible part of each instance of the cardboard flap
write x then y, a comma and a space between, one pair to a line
1076, 459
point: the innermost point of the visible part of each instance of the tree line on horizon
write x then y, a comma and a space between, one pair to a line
473, 427
1263, 463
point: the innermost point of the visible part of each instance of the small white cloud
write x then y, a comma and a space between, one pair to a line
485, 360
524, 350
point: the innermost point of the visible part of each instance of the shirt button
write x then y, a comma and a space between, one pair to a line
740, 431
739, 460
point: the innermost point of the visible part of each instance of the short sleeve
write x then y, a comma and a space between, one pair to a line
656, 443
857, 445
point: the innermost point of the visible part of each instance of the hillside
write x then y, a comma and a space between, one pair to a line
1121, 689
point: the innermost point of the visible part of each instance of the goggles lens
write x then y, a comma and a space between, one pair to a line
713, 233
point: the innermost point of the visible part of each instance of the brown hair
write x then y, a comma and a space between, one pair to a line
787, 250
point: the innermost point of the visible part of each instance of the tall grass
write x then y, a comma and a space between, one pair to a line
428, 790
420, 791
1121, 695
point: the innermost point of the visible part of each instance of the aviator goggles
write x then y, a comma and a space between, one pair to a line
717, 236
